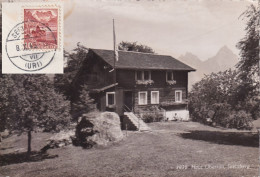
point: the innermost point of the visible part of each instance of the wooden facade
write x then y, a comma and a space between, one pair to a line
98, 73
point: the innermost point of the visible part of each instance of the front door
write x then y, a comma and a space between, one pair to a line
128, 100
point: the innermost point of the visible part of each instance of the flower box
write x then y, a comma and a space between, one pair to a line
111, 106
172, 82
144, 82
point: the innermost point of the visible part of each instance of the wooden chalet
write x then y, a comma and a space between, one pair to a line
136, 82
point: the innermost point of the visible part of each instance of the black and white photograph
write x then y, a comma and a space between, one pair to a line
130, 88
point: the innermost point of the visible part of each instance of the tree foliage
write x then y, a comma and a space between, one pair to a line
6, 100
74, 60
85, 103
216, 98
249, 52
133, 46
30, 103
231, 98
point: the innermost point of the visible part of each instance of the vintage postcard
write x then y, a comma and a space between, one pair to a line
150, 88
32, 37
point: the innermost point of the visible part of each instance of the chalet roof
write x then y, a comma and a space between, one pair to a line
138, 60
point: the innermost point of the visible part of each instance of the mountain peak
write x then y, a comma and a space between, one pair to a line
190, 59
225, 52
224, 59
225, 49
191, 55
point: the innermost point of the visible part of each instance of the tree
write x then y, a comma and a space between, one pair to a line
1, 32
30, 103
6, 96
133, 46
215, 98
85, 103
249, 53
231, 98
74, 60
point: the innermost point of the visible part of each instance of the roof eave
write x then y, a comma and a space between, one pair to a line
165, 69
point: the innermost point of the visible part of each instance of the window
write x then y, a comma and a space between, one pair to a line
143, 75
142, 98
154, 97
169, 76
139, 75
178, 96
146, 75
110, 98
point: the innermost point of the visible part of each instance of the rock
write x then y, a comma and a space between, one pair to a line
62, 136
61, 144
60, 139
4, 134
97, 128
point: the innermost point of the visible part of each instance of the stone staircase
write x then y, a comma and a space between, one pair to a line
137, 123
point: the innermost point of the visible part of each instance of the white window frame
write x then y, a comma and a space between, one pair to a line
171, 74
107, 93
178, 91
157, 99
139, 98
142, 72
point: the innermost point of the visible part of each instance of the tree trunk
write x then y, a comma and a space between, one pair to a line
29, 142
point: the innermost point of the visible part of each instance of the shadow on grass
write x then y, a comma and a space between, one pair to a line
226, 138
2, 149
14, 158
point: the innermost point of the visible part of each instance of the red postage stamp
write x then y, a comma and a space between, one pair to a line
44, 33
32, 36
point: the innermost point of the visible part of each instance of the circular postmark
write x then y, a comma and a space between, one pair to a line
31, 46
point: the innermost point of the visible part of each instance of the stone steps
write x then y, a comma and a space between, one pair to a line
138, 123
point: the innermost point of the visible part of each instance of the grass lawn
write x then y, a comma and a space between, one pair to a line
156, 153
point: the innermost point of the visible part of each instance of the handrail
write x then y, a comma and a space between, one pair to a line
137, 121
127, 109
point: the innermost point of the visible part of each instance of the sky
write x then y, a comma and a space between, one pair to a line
171, 27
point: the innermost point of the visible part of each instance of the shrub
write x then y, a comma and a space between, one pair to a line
240, 120
153, 115
149, 117
217, 99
